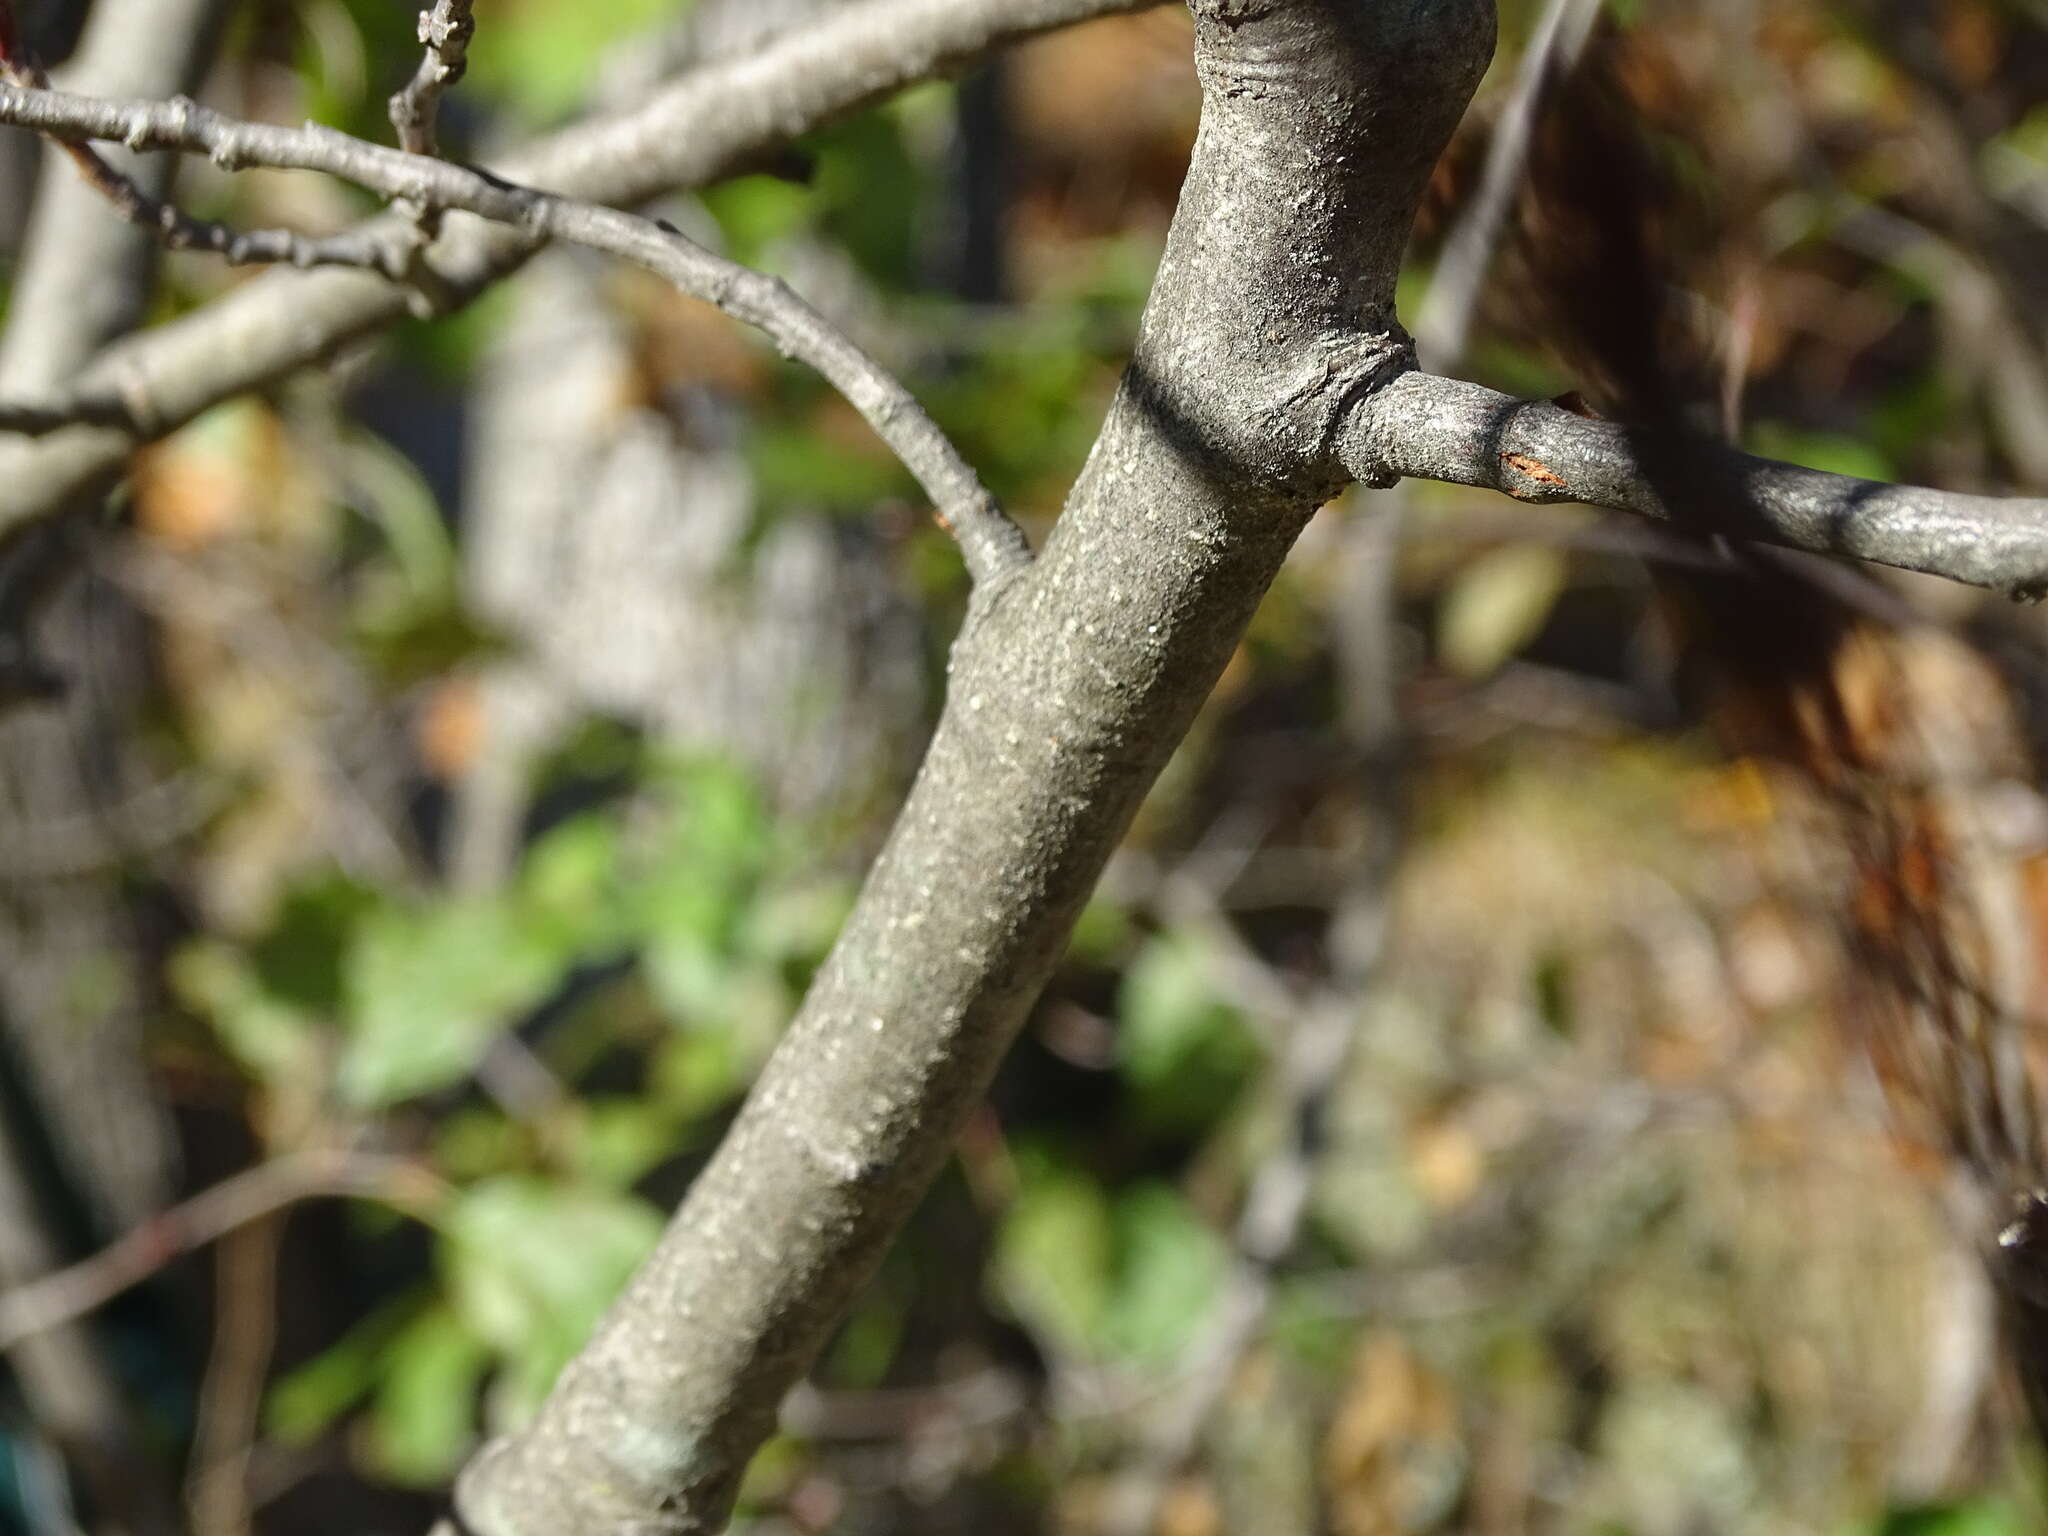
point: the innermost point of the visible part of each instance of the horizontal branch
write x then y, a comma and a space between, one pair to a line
709, 123
990, 542
1424, 427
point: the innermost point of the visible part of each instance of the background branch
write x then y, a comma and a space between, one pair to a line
65, 1295
990, 542
703, 126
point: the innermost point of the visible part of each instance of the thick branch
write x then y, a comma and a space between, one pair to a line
990, 542
1069, 689
1431, 428
708, 124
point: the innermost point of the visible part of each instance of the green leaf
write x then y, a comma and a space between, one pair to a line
1169, 1270
1102, 933
428, 990
272, 1040
797, 464
1185, 1052
541, 57
1054, 1253
1497, 605
570, 887
424, 1417
706, 869
1828, 451
617, 1140
698, 1072
531, 1265
300, 959
754, 212
1977, 1518
305, 1403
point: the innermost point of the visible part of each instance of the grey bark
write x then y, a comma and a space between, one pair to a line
1443, 429
1071, 685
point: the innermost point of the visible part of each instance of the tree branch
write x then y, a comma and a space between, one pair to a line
707, 124
65, 1295
1273, 307
445, 32
1429, 428
1445, 323
990, 542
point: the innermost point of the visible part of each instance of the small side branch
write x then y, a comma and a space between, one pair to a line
990, 543
445, 32
370, 248
1424, 427
35, 418
64, 1295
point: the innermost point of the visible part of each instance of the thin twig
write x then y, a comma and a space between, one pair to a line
1430, 428
230, 1411
373, 248
66, 1294
445, 32
990, 543
383, 250
1446, 320
36, 418
708, 123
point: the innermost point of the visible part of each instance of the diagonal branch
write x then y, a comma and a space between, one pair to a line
991, 544
707, 124
1430, 428
1273, 308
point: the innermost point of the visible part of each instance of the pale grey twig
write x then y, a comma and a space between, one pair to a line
376, 248
990, 543
703, 125
445, 32
1430, 428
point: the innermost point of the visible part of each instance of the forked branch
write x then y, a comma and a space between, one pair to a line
990, 543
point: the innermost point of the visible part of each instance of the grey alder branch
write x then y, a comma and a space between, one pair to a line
708, 123
990, 542
1272, 311
1444, 429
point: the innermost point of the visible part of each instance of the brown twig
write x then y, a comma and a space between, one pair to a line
231, 1397
66, 1294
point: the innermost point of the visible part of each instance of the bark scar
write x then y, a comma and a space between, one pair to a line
1534, 469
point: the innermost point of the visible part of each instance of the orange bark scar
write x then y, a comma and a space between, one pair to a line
1533, 469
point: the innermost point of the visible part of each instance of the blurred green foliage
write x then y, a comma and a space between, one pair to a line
1590, 1221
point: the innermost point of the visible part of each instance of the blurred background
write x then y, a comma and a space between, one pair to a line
1452, 1116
